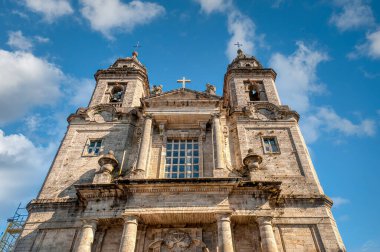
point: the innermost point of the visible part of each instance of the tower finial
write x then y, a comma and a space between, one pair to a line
239, 51
137, 46
238, 45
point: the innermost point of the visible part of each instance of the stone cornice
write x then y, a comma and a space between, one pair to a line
123, 187
203, 95
201, 98
49, 204
256, 72
117, 72
180, 103
92, 192
316, 199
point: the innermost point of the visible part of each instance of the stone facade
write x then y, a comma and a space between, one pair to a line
144, 170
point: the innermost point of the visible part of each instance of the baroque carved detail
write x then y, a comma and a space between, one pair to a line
103, 113
210, 89
156, 90
268, 111
179, 241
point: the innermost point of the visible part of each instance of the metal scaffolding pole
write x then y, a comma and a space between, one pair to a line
13, 230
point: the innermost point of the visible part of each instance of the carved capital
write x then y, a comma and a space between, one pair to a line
215, 116
148, 116
264, 220
89, 223
223, 217
130, 219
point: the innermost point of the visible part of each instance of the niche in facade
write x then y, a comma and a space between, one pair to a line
255, 91
117, 92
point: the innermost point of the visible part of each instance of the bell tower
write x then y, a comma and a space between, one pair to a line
122, 85
246, 81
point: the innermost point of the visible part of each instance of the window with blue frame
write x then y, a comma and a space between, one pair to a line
93, 147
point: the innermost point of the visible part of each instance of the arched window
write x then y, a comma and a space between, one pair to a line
253, 94
117, 94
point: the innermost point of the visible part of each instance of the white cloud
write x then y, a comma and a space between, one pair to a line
297, 78
26, 81
297, 82
332, 121
277, 3
50, 9
41, 39
33, 122
325, 119
20, 14
17, 41
107, 15
242, 30
370, 48
240, 27
354, 14
81, 91
209, 6
23, 167
339, 201
370, 246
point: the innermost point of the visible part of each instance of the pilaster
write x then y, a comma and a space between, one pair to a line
225, 243
128, 239
268, 242
87, 235
144, 147
219, 164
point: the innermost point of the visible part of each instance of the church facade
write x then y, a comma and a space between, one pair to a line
142, 170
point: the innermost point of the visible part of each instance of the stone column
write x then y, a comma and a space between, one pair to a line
219, 142
225, 243
268, 242
145, 143
87, 235
128, 240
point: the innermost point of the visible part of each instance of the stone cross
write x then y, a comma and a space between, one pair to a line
238, 45
183, 81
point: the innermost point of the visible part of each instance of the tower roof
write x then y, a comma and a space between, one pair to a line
244, 61
124, 65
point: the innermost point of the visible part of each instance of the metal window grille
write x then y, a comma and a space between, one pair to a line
94, 147
182, 159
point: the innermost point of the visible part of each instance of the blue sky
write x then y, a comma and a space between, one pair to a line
326, 54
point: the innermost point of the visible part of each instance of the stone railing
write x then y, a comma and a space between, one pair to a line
116, 104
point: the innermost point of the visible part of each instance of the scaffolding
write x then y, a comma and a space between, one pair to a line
13, 230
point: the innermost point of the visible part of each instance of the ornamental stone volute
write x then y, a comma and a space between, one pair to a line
108, 162
252, 161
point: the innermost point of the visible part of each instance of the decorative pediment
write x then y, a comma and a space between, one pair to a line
181, 97
267, 111
183, 93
